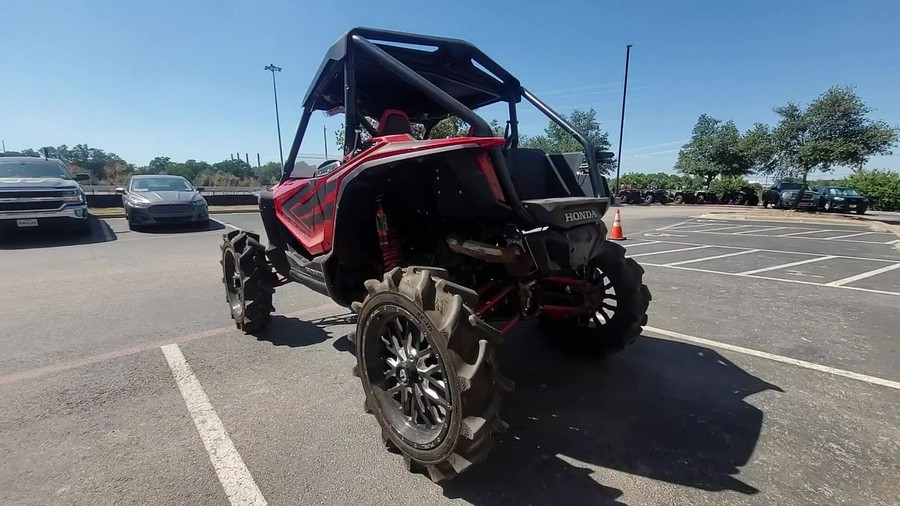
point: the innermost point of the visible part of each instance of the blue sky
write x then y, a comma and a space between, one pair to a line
185, 79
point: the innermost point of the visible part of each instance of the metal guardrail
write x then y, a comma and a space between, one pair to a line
207, 190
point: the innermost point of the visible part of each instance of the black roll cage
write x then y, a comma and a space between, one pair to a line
361, 42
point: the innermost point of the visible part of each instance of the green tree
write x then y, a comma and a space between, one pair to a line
160, 164
557, 140
882, 187
268, 173
449, 127
715, 149
834, 130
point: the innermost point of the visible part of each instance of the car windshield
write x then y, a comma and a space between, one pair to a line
846, 192
160, 184
40, 169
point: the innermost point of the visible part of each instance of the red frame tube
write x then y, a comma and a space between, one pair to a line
564, 310
565, 280
488, 304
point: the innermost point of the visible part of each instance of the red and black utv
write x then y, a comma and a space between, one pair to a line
439, 245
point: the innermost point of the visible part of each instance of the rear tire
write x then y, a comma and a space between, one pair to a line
249, 281
649, 199
700, 200
679, 199
613, 326
428, 370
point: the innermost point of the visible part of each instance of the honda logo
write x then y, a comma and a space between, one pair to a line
588, 214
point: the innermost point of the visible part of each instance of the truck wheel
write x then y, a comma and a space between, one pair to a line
621, 313
828, 206
428, 370
679, 199
700, 199
649, 199
249, 281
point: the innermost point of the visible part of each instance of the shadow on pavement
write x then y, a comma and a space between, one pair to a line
664, 410
180, 228
296, 332
56, 235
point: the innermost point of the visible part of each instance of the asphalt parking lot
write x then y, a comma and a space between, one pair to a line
769, 375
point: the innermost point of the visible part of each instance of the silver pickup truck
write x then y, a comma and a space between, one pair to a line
40, 192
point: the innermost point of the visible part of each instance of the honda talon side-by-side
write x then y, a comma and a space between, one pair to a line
439, 245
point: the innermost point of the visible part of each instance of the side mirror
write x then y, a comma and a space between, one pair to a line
120, 191
82, 177
200, 189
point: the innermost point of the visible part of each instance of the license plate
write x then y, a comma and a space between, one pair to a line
26, 223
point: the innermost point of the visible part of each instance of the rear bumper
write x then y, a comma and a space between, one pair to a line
75, 212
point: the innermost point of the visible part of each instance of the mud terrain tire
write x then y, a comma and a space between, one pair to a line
622, 279
429, 318
249, 281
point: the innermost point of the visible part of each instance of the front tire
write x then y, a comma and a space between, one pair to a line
828, 206
428, 370
249, 281
621, 312
679, 199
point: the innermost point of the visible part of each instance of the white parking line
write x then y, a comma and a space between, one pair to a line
796, 235
767, 229
726, 255
802, 253
806, 232
230, 468
229, 225
668, 251
783, 266
794, 281
846, 236
643, 244
720, 228
864, 275
682, 226
777, 358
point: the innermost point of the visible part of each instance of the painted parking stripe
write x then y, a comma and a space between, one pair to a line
670, 251
783, 266
726, 255
767, 229
806, 232
783, 280
229, 225
751, 233
730, 227
694, 225
873, 380
846, 236
864, 275
787, 252
643, 243
230, 468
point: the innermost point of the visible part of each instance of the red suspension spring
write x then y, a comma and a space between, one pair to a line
388, 240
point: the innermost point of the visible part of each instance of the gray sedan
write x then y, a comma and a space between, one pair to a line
162, 199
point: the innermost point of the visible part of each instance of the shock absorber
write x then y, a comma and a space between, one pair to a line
388, 240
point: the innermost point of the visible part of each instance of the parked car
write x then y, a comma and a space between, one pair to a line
683, 196
707, 197
840, 198
782, 195
745, 196
40, 192
655, 195
631, 196
162, 199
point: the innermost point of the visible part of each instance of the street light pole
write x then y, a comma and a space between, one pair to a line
325, 138
622, 121
272, 68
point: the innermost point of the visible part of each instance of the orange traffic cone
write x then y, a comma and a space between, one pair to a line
617, 228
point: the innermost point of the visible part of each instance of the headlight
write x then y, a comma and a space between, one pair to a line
839, 199
199, 203
138, 203
74, 197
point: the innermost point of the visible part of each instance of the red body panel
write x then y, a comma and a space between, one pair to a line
307, 207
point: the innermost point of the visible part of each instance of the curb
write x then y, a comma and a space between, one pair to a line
225, 211
874, 225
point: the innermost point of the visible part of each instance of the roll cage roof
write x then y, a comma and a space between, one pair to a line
368, 71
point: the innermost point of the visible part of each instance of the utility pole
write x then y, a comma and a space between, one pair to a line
258, 164
325, 138
622, 122
4, 145
272, 68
